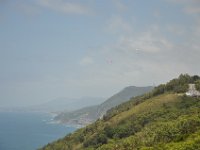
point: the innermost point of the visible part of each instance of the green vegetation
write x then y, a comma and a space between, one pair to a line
197, 83
160, 120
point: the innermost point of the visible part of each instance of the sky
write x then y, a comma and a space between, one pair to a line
76, 48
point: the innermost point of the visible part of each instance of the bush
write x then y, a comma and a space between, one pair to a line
197, 84
96, 141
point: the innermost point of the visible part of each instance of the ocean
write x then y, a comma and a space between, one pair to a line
29, 131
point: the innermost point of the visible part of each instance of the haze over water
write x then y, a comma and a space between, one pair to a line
28, 131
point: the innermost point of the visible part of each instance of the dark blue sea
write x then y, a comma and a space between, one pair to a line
28, 131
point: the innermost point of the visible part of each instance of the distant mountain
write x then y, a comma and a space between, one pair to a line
79, 117
65, 104
90, 114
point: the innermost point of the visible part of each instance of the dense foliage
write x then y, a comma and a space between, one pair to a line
197, 83
179, 85
158, 120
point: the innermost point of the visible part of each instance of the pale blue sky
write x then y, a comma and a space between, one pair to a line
75, 48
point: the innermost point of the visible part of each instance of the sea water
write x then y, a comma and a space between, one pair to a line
29, 131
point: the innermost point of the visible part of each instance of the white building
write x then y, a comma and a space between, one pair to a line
192, 91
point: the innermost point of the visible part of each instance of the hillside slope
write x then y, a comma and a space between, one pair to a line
160, 120
121, 97
88, 115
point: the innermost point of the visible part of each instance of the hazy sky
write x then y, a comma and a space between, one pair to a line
75, 48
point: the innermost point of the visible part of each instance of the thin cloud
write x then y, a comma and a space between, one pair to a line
176, 29
150, 41
192, 9
65, 7
86, 61
119, 5
145, 43
189, 6
3, 1
184, 1
30, 10
157, 56
117, 24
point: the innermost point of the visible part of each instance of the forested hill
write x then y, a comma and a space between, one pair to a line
160, 120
